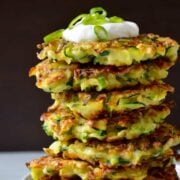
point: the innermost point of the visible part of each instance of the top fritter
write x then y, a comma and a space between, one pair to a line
118, 52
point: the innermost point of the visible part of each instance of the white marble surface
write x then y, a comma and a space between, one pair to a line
12, 164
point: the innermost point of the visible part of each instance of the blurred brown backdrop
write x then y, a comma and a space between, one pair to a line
22, 26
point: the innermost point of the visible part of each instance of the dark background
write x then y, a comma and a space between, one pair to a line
24, 23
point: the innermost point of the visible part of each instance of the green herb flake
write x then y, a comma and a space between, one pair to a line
102, 132
104, 53
123, 161
102, 81
70, 82
53, 36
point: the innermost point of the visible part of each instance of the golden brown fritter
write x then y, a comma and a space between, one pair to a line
120, 153
118, 52
58, 76
56, 168
94, 105
64, 126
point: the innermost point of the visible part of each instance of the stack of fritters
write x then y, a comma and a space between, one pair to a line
109, 109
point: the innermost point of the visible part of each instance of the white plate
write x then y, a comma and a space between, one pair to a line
28, 177
178, 168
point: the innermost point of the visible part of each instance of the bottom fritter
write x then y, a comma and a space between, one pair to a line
56, 168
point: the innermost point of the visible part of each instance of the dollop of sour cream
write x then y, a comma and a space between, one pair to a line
82, 33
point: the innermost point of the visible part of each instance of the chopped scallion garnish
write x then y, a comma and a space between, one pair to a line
53, 36
98, 10
101, 33
96, 19
76, 20
115, 19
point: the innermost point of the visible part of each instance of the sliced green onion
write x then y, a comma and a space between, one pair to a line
53, 36
94, 20
120, 128
101, 33
67, 51
98, 10
76, 19
115, 19
75, 53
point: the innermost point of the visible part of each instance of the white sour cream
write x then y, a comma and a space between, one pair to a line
82, 33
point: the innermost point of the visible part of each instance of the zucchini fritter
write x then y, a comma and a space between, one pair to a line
59, 76
94, 105
120, 153
64, 126
119, 52
51, 168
